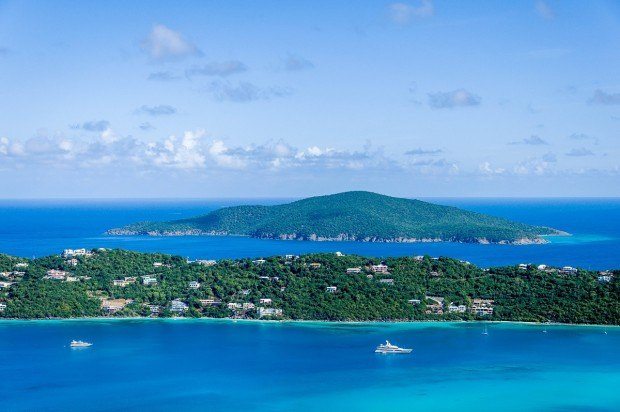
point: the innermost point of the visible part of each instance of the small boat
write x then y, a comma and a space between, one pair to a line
387, 347
485, 331
80, 344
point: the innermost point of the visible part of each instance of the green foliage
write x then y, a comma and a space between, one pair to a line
299, 289
349, 216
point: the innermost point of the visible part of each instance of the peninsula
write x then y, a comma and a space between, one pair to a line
326, 286
352, 216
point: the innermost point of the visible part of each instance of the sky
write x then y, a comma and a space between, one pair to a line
212, 99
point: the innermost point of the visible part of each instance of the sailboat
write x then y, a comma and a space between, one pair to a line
485, 331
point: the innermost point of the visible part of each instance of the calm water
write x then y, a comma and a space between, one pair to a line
36, 228
221, 365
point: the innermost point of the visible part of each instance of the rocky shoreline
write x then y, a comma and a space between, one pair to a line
343, 237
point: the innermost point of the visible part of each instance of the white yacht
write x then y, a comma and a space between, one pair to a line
387, 347
80, 344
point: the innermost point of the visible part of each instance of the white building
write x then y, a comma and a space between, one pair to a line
76, 252
569, 270
119, 282
4, 285
208, 262
522, 266
149, 280
457, 308
387, 281
178, 306
56, 274
482, 307
265, 301
269, 312
541, 267
379, 268
154, 309
193, 285
331, 289
21, 265
339, 254
414, 301
2, 306
259, 261
353, 271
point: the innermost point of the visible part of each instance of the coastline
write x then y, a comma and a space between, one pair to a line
306, 322
525, 241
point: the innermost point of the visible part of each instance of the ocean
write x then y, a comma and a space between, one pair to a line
221, 365
37, 228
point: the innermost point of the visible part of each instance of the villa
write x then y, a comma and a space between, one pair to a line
178, 306
435, 308
569, 270
2, 306
339, 254
76, 252
234, 306
265, 301
269, 312
523, 266
4, 285
482, 307
541, 267
379, 268
353, 271
387, 281
154, 309
120, 283
452, 308
149, 280
414, 302
193, 285
315, 265
331, 289
73, 262
21, 265
209, 302
248, 306
418, 258
209, 262
259, 261
114, 305
605, 277
55, 274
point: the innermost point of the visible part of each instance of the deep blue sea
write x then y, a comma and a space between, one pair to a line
37, 228
208, 365
153, 365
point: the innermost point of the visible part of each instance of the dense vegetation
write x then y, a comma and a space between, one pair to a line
298, 286
361, 216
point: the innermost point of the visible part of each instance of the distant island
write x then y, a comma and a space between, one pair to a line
327, 286
353, 216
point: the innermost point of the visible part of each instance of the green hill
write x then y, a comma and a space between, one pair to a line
359, 216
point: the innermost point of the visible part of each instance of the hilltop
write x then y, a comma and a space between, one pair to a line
354, 216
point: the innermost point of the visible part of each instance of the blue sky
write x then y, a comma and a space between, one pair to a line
274, 98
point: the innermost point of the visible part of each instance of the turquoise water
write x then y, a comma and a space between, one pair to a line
37, 228
258, 366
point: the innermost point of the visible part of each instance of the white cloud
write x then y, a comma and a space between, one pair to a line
544, 10
452, 99
164, 44
402, 13
221, 69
